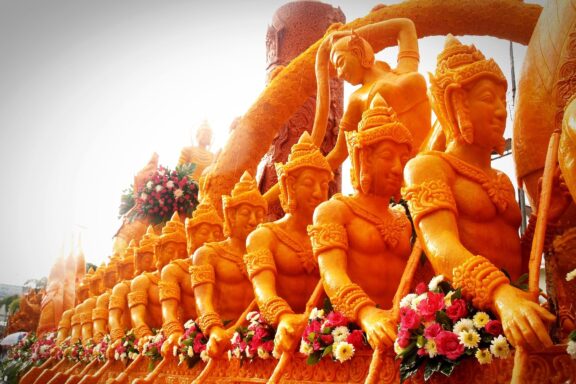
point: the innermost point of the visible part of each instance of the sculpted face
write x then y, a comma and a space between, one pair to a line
204, 233
126, 271
170, 251
385, 162
348, 67
110, 278
486, 102
146, 260
204, 137
308, 187
244, 218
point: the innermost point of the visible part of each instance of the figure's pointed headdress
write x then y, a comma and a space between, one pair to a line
244, 192
173, 231
204, 213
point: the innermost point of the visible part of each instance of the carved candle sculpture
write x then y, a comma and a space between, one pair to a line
100, 313
199, 154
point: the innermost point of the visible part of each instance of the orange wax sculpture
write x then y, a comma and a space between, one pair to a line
353, 237
199, 155
219, 277
279, 261
465, 211
100, 313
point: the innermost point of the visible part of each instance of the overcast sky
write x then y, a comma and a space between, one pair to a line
90, 89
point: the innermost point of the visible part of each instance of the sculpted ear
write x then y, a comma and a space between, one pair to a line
462, 124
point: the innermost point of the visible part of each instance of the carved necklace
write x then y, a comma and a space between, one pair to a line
390, 228
497, 188
305, 256
226, 252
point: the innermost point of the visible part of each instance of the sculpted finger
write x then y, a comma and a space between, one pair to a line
541, 333
512, 333
528, 334
543, 313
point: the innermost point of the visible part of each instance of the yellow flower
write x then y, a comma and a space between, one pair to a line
500, 347
430, 348
480, 319
469, 339
343, 351
463, 325
306, 348
484, 356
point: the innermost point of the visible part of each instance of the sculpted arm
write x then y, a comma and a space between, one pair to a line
100, 317
137, 302
170, 298
116, 307
86, 319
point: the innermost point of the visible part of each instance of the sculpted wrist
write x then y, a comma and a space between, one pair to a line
169, 290
202, 274
273, 308
327, 236
171, 327
85, 318
75, 320
428, 197
259, 261
100, 314
478, 278
141, 331
349, 299
116, 334
208, 320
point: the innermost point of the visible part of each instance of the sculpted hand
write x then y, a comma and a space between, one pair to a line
218, 343
378, 325
290, 329
169, 344
524, 321
112, 349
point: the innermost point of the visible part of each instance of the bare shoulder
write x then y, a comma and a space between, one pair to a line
169, 272
140, 283
121, 289
425, 167
331, 211
261, 237
203, 255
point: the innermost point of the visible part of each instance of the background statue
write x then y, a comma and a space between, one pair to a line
199, 154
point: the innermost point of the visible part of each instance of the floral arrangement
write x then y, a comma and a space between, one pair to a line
571, 348
329, 333
191, 346
127, 349
255, 340
438, 329
22, 350
152, 347
165, 192
58, 350
19, 359
98, 350
75, 351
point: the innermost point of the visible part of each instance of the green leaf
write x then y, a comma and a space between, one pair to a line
314, 358
327, 307
311, 336
572, 335
432, 366
445, 287
185, 170
443, 319
327, 350
457, 294
447, 368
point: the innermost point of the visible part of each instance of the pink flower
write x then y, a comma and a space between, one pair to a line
428, 307
268, 346
260, 333
494, 327
432, 331
457, 310
421, 288
356, 338
316, 345
403, 338
327, 339
448, 345
314, 326
409, 319
421, 352
336, 319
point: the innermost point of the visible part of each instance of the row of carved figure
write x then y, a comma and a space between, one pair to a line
464, 214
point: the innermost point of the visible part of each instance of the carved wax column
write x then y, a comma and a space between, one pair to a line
176, 292
295, 26
279, 255
221, 286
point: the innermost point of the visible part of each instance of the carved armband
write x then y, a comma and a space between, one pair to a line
202, 274
117, 302
327, 236
169, 290
171, 327
259, 261
409, 54
116, 334
100, 314
428, 197
478, 278
349, 299
137, 298
85, 318
208, 320
273, 308
75, 319
142, 331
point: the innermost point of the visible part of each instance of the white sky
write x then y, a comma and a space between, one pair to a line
90, 89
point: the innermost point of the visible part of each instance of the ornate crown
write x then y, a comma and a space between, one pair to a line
128, 257
148, 241
204, 213
244, 192
173, 231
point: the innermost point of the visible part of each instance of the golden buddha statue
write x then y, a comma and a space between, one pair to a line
279, 256
352, 58
176, 292
219, 277
144, 296
465, 211
199, 154
100, 313
354, 236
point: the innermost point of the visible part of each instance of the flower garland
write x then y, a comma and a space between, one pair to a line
127, 349
58, 350
42, 347
75, 351
152, 347
438, 329
571, 348
99, 349
331, 335
256, 340
191, 346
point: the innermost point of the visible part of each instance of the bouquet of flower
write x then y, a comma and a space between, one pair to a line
22, 350
331, 335
75, 351
58, 350
152, 347
127, 349
191, 346
165, 192
256, 340
99, 349
438, 329
42, 347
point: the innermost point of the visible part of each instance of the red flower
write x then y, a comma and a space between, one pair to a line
428, 307
335, 319
314, 326
457, 310
421, 288
494, 327
403, 338
327, 339
449, 345
356, 338
432, 331
409, 319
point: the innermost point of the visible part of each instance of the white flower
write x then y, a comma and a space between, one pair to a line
397, 348
229, 354
189, 324
407, 300
170, 184
161, 172
157, 338
463, 325
263, 354
149, 184
448, 298
469, 339
126, 343
204, 356
178, 193
343, 351
340, 333
253, 316
247, 352
190, 352
175, 350
430, 348
116, 356
484, 356
499, 347
275, 354
306, 348
480, 319
316, 313
181, 359
417, 300
237, 352
44, 348
571, 349
571, 275
159, 188
433, 284
123, 356
236, 338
